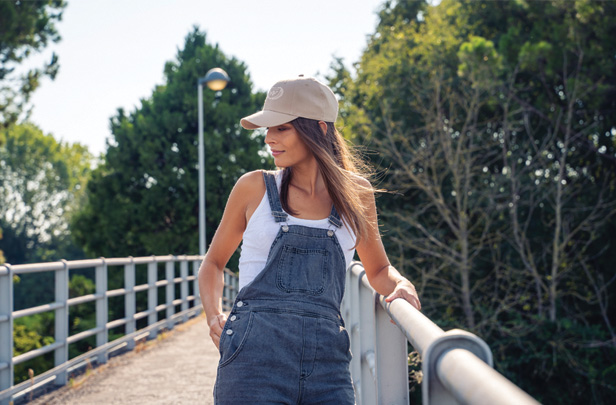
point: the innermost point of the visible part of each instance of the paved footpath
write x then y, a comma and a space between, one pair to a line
178, 369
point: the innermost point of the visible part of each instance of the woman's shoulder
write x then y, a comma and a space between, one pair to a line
249, 191
361, 181
251, 186
250, 182
364, 189
362, 184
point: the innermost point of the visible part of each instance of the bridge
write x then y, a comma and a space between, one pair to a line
456, 365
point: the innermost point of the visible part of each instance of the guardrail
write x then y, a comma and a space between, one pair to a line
456, 365
189, 306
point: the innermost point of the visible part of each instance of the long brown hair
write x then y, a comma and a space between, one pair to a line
341, 171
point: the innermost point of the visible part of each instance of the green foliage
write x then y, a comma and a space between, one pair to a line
30, 333
35, 331
495, 127
26, 27
80, 285
542, 361
81, 317
479, 60
532, 55
144, 199
43, 182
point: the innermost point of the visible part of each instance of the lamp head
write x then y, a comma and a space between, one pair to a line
216, 79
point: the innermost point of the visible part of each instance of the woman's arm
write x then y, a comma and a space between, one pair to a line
383, 277
228, 236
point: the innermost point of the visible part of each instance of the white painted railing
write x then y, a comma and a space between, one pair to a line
190, 305
456, 365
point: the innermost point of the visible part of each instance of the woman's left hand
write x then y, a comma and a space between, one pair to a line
405, 290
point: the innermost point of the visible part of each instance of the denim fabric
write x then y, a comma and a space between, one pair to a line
284, 341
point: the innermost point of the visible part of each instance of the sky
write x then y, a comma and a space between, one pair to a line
113, 52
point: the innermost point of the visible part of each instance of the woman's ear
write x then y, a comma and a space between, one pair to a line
323, 126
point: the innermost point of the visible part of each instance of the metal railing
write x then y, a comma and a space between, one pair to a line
189, 306
456, 365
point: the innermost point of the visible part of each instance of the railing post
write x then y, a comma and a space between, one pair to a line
129, 301
102, 336
355, 327
6, 331
392, 359
196, 266
236, 287
184, 286
367, 307
345, 306
170, 291
61, 322
152, 296
226, 292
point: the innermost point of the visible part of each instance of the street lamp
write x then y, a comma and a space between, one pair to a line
216, 79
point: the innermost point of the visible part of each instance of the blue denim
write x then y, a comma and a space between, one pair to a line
284, 341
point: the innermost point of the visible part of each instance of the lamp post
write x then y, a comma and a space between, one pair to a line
216, 79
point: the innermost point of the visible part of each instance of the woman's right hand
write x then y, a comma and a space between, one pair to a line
216, 325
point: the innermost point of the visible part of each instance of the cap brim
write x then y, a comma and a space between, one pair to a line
266, 119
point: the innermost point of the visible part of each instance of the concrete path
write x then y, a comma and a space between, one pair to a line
177, 369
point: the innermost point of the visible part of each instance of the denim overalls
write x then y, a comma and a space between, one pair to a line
284, 341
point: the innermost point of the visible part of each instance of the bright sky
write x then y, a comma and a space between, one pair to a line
113, 52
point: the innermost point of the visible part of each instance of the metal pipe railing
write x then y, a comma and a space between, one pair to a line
190, 305
456, 365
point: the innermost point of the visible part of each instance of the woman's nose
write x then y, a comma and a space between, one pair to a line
268, 137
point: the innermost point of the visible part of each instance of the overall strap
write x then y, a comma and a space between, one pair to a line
334, 218
272, 196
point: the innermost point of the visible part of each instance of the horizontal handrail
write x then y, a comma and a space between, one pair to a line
456, 365
37, 310
82, 264
36, 352
84, 299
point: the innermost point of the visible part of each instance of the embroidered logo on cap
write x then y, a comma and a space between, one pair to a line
275, 93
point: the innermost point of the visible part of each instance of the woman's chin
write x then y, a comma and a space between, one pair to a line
280, 163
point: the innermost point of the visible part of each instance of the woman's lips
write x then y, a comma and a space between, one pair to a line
276, 152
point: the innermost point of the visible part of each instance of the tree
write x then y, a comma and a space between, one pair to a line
26, 27
42, 182
495, 126
144, 199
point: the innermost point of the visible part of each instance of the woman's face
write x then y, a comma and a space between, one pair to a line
286, 145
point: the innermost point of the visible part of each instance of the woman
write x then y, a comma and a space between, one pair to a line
284, 340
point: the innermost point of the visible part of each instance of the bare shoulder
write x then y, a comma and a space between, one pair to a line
362, 182
250, 185
248, 193
364, 188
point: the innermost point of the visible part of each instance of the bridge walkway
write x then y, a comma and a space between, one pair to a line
179, 368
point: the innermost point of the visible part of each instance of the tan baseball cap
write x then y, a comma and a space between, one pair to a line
289, 99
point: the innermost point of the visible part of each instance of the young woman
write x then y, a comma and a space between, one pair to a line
284, 340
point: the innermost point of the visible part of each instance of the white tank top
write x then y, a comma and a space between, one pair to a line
262, 230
